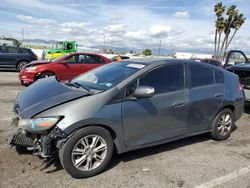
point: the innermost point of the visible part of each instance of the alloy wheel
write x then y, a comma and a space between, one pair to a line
89, 152
225, 124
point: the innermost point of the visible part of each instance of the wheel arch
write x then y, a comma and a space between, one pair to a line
230, 107
39, 73
113, 133
20, 60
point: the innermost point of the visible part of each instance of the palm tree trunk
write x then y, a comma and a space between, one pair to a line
225, 38
218, 47
225, 49
215, 43
231, 38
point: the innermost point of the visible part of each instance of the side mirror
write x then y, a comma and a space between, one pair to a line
63, 62
144, 92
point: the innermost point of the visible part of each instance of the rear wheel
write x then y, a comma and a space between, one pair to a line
223, 125
21, 64
46, 75
87, 152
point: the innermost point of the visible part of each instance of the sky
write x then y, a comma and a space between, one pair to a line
178, 24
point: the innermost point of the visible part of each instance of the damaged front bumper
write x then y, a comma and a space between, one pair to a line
43, 142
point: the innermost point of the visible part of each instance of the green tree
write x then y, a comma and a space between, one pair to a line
147, 52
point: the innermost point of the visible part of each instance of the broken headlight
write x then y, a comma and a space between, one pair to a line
38, 124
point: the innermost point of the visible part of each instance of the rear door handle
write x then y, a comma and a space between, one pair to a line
218, 95
178, 104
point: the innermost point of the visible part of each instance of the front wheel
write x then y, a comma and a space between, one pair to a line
46, 75
223, 125
87, 152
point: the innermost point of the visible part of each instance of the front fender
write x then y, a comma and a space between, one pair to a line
114, 128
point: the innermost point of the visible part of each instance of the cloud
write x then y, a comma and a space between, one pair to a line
76, 24
116, 28
136, 35
34, 20
160, 31
77, 28
181, 14
39, 5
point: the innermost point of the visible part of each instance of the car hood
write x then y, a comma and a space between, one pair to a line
44, 94
33, 63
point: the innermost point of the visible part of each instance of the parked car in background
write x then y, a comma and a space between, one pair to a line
12, 57
238, 63
119, 57
210, 61
123, 106
64, 67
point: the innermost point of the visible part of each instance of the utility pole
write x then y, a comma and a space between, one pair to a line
104, 43
22, 34
159, 50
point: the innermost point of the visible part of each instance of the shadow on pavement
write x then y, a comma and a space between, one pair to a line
156, 149
247, 108
52, 165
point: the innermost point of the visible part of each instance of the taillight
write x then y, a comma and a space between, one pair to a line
239, 86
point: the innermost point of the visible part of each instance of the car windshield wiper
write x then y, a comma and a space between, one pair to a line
77, 85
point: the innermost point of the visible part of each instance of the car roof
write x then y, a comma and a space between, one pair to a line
156, 60
79, 53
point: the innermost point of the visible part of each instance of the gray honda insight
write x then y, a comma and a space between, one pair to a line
125, 106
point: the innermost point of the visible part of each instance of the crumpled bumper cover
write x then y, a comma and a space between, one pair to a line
19, 138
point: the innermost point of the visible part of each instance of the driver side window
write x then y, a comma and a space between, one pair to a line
236, 58
72, 59
165, 79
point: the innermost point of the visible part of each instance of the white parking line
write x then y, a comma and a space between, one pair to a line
5, 119
226, 178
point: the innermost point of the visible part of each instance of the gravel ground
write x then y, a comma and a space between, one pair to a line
191, 162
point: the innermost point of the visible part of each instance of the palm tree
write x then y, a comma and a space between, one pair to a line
238, 22
219, 9
220, 27
232, 13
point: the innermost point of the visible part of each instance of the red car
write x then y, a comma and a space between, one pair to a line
64, 67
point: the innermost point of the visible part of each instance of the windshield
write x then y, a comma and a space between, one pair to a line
108, 76
57, 46
59, 58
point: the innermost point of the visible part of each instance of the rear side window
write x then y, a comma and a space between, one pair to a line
90, 59
12, 50
165, 79
201, 75
218, 76
25, 51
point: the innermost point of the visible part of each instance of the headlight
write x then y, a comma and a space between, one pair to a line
38, 124
31, 68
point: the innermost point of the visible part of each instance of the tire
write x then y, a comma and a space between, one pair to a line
46, 75
24, 84
80, 157
223, 125
21, 64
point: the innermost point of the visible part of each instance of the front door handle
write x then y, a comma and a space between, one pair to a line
178, 104
218, 95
